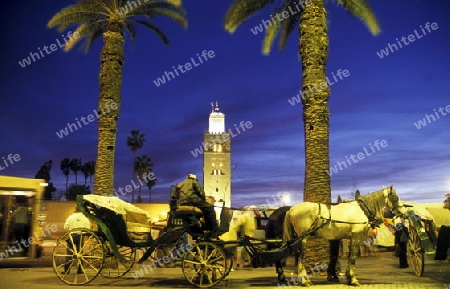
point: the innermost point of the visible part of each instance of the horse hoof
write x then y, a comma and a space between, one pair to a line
334, 279
282, 278
353, 283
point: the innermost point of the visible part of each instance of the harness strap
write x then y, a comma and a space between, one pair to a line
369, 214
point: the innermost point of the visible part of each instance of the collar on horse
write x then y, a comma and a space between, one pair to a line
369, 214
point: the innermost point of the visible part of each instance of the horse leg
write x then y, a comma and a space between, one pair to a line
280, 272
350, 272
332, 275
301, 271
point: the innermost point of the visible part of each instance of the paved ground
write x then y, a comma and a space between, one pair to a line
379, 272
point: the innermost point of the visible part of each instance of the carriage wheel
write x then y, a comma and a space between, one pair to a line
205, 265
415, 252
78, 257
113, 268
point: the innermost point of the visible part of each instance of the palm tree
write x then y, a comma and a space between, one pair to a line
65, 168
142, 166
310, 17
75, 167
150, 184
135, 142
91, 171
111, 19
86, 170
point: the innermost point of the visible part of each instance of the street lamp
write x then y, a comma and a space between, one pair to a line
285, 198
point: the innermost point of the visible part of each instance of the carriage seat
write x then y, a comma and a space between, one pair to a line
190, 209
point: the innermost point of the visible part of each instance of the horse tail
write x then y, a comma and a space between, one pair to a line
287, 227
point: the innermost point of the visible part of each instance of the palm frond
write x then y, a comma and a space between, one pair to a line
241, 10
148, 8
287, 26
270, 35
130, 28
84, 11
362, 10
174, 15
155, 29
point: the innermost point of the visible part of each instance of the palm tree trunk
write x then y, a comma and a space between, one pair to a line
67, 182
139, 194
313, 50
110, 78
132, 177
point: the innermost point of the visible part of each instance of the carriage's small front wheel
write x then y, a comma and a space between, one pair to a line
205, 264
112, 267
78, 257
415, 252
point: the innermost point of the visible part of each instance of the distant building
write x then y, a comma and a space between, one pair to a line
447, 202
217, 158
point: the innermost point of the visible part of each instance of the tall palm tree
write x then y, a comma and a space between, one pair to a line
135, 141
75, 167
111, 19
65, 168
142, 166
310, 18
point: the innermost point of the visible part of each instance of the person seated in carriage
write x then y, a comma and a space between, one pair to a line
191, 193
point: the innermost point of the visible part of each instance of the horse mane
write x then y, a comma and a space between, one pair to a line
375, 202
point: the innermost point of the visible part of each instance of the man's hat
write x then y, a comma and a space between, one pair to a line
192, 176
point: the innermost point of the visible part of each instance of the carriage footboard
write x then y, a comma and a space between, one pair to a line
262, 258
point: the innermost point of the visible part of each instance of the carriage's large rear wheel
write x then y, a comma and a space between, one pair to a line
112, 267
205, 265
415, 252
78, 257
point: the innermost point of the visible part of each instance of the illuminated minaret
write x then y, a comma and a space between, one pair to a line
216, 158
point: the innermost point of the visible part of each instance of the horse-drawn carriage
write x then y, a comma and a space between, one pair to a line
120, 231
109, 247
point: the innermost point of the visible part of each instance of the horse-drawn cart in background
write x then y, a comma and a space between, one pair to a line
422, 239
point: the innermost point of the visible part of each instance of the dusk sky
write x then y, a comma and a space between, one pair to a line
381, 99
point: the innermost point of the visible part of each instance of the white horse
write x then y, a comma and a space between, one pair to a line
242, 223
344, 220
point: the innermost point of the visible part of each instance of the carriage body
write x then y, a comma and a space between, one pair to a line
119, 230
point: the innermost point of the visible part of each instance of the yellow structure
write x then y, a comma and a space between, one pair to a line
217, 158
20, 235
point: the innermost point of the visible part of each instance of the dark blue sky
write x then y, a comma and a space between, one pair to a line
381, 99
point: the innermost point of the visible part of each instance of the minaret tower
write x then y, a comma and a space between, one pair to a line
216, 158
